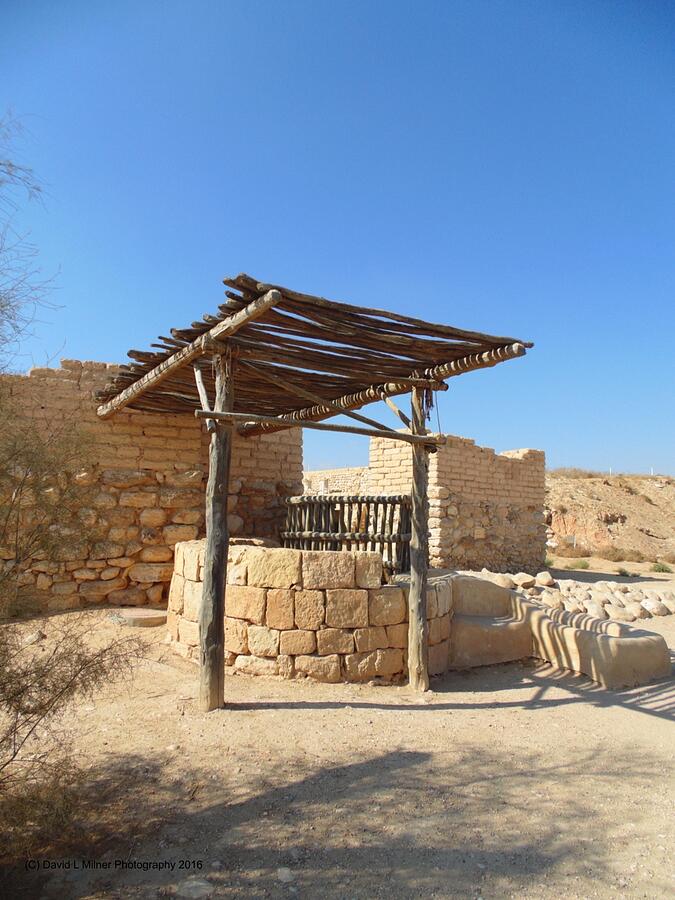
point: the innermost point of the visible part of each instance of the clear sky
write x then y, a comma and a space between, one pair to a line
500, 166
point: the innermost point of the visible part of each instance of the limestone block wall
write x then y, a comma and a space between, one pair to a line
147, 476
486, 509
349, 480
321, 614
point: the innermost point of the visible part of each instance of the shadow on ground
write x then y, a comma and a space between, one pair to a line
394, 824
655, 699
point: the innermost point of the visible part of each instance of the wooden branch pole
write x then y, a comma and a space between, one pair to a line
430, 440
203, 396
212, 610
194, 350
394, 408
315, 398
418, 647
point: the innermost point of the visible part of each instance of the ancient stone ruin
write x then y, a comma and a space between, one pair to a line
204, 437
485, 508
330, 616
147, 481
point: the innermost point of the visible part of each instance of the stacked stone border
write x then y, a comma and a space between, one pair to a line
322, 614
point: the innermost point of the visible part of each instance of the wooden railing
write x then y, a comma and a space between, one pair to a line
351, 522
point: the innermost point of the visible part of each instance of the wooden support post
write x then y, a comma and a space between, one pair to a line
212, 610
203, 396
418, 645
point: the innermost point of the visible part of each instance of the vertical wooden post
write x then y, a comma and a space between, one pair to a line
212, 610
418, 645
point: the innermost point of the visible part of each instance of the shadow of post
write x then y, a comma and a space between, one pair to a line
401, 823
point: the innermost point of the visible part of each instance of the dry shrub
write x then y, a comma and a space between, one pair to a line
41, 674
569, 552
565, 472
619, 554
629, 555
577, 564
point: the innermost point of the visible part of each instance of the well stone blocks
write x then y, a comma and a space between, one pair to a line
325, 569
346, 608
263, 641
280, 609
244, 602
309, 609
327, 633
334, 640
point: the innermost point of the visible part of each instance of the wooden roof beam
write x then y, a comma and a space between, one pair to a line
436, 374
205, 343
431, 441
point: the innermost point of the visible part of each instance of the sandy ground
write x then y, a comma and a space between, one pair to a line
509, 781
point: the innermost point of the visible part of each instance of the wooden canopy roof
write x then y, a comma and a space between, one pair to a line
298, 356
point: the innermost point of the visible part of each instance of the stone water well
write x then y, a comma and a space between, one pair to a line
325, 614
332, 616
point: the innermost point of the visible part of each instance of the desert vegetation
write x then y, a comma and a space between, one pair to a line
43, 514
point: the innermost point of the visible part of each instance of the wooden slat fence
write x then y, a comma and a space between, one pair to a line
351, 522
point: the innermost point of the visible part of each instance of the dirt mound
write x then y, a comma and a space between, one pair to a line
631, 516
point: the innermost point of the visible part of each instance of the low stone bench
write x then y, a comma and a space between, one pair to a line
494, 624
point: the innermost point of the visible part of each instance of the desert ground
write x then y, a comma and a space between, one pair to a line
508, 781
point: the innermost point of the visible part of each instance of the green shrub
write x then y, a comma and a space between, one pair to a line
661, 567
577, 564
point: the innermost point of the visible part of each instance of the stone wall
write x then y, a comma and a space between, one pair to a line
147, 475
322, 614
350, 480
485, 508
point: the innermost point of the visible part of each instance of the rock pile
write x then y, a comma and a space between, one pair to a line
602, 599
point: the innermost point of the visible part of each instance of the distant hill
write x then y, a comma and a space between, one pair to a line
627, 517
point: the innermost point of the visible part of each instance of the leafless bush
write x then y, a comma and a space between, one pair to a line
570, 552
22, 286
41, 673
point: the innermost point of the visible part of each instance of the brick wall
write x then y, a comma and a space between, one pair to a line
147, 480
485, 508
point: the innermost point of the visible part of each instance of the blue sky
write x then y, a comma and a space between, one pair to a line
500, 166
